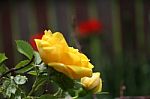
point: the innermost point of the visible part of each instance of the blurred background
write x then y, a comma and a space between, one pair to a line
114, 34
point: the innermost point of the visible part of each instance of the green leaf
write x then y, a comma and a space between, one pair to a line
11, 89
24, 48
20, 79
8, 93
3, 69
34, 73
2, 58
37, 58
25, 69
5, 84
8, 87
18, 94
47, 96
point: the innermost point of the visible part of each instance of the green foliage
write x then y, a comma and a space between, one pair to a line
20, 79
62, 80
48, 96
3, 69
24, 48
10, 87
41, 79
34, 73
2, 58
25, 69
37, 59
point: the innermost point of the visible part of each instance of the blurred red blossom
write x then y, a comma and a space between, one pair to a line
89, 27
32, 42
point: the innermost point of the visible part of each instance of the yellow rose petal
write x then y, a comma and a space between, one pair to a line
53, 48
98, 88
61, 68
47, 35
93, 83
57, 38
52, 54
73, 59
79, 72
94, 80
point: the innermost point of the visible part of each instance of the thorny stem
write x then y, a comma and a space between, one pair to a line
16, 69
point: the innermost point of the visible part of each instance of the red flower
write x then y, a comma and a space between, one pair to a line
89, 27
32, 42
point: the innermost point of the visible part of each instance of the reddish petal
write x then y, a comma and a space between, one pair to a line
89, 27
32, 42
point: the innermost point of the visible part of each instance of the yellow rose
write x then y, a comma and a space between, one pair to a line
55, 52
93, 83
